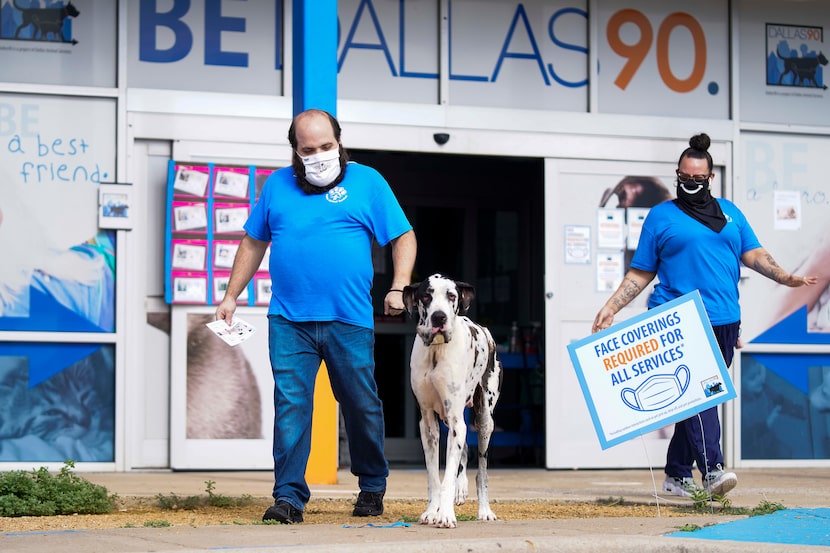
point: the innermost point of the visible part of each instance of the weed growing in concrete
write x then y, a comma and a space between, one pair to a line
157, 524
689, 528
174, 502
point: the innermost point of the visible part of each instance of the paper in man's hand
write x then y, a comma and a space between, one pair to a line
232, 334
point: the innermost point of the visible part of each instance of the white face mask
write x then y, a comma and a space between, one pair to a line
321, 169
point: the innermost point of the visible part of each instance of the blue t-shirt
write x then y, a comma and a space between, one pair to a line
321, 244
687, 255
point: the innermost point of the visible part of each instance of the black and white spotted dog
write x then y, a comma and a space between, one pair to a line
454, 365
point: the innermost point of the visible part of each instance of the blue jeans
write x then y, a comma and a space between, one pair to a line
296, 350
697, 439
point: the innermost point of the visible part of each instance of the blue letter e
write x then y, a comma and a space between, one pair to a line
149, 20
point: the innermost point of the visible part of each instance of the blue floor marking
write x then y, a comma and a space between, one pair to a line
789, 526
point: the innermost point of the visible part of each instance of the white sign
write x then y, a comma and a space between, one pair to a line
609, 271
636, 216
652, 370
577, 244
610, 228
787, 214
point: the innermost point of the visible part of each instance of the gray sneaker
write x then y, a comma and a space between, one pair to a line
718, 482
683, 487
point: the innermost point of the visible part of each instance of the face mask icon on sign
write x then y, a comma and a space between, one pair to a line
658, 390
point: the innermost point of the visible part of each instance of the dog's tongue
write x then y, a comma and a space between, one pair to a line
437, 329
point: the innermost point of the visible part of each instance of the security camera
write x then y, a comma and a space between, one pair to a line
441, 138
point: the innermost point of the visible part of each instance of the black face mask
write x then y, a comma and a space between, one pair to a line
700, 206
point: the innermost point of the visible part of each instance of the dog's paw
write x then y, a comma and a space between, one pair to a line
447, 520
446, 516
461, 490
485, 513
430, 516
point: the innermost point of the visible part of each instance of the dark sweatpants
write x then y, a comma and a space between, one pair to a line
698, 437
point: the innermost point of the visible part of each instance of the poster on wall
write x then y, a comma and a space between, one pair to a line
785, 415
773, 166
115, 206
784, 68
58, 267
58, 402
221, 395
785, 397
207, 207
59, 42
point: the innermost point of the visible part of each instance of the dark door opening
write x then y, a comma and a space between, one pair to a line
478, 219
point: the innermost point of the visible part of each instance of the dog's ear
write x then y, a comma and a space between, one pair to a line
467, 293
409, 293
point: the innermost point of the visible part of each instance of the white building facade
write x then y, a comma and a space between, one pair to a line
560, 100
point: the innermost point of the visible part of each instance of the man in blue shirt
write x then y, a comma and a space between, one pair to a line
697, 242
320, 217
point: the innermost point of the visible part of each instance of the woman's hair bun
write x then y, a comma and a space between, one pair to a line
700, 142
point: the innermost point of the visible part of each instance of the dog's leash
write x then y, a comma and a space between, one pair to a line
372, 525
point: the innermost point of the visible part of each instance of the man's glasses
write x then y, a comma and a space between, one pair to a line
697, 179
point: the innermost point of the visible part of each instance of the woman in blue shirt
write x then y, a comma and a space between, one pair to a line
697, 242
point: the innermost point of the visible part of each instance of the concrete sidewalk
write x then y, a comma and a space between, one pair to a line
792, 487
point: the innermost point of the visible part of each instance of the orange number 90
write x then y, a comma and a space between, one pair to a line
635, 53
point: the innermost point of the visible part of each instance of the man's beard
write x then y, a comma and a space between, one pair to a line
307, 187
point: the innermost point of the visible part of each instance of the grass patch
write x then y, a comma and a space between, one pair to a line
764, 508
689, 528
157, 524
705, 504
41, 493
269, 522
173, 502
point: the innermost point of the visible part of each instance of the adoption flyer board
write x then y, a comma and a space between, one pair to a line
652, 370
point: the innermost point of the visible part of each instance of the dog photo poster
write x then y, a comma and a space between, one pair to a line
652, 370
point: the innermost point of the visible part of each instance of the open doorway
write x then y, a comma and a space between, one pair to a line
478, 219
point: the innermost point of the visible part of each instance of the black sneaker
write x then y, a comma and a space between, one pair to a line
369, 504
284, 512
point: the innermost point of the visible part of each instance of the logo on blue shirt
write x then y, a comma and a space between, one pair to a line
336, 194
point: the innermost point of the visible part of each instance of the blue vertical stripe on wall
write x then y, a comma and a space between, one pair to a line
315, 55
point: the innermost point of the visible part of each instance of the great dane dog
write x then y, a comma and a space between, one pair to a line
454, 365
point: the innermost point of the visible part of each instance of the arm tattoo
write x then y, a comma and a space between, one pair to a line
770, 269
627, 292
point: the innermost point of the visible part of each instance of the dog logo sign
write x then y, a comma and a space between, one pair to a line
795, 56
712, 386
50, 24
